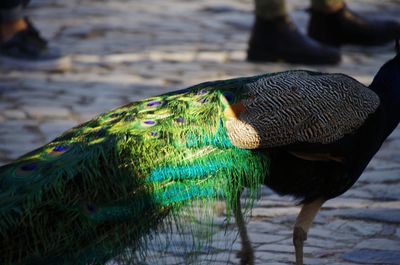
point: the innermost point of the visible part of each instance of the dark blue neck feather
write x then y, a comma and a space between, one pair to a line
386, 85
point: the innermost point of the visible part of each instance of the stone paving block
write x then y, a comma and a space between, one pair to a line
269, 257
341, 263
379, 244
388, 230
398, 233
381, 164
384, 192
378, 215
365, 256
381, 176
264, 226
395, 134
340, 234
273, 212
53, 129
385, 205
14, 114
46, 111
284, 248
262, 238
358, 192
353, 228
344, 201
273, 263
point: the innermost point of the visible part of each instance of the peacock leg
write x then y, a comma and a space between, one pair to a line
303, 224
246, 254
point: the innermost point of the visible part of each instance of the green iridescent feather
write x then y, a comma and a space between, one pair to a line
110, 183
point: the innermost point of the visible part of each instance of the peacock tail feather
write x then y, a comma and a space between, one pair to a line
116, 182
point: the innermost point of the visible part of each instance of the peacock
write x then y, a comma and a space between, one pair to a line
108, 187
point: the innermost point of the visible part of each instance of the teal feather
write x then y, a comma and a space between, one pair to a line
115, 182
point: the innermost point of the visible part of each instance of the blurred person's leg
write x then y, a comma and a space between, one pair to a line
334, 24
327, 5
21, 45
270, 9
275, 38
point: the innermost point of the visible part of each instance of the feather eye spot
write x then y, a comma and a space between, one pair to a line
180, 120
154, 134
203, 101
154, 104
229, 97
201, 92
58, 150
149, 123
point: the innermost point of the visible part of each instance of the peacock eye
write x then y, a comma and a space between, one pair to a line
149, 123
229, 97
201, 92
180, 120
154, 134
60, 148
203, 101
154, 104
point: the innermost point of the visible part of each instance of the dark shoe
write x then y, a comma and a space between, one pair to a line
27, 50
346, 27
279, 40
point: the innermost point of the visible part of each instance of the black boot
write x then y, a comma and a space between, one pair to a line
345, 27
27, 50
279, 40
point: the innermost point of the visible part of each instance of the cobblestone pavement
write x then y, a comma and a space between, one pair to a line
122, 51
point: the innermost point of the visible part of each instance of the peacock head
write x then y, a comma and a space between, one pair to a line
386, 84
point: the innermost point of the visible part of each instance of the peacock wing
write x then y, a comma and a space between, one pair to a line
106, 187
299, 107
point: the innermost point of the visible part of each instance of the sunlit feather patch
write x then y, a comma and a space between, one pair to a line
158, 114
234, 110
111, 118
